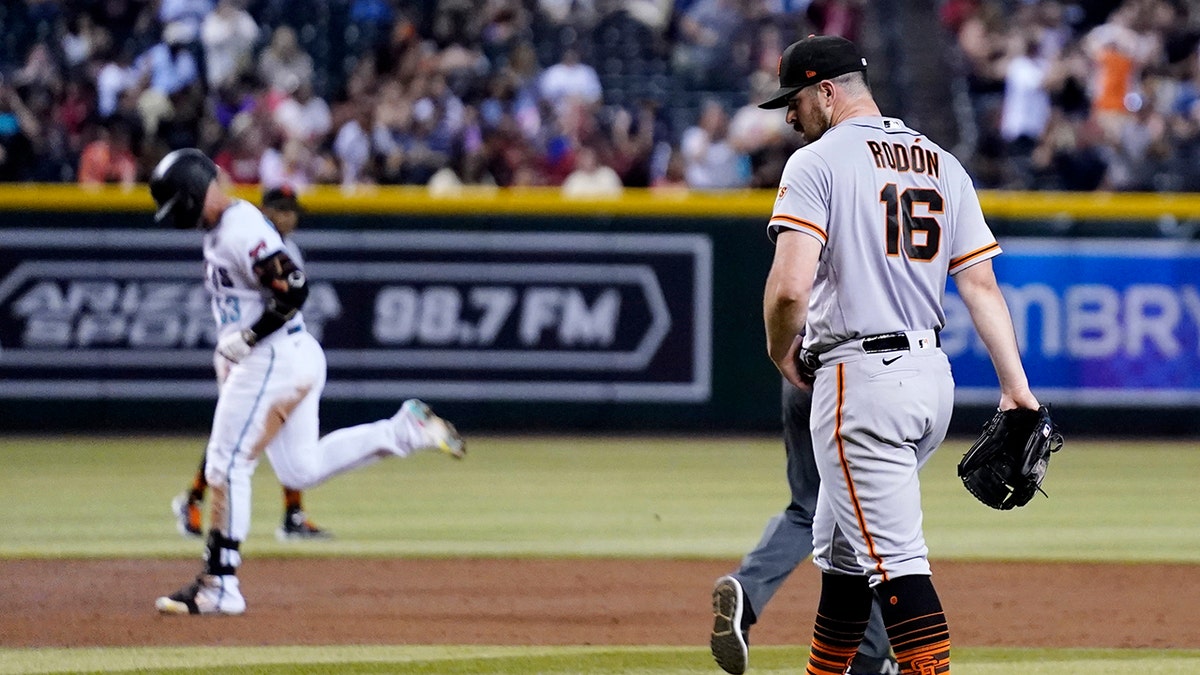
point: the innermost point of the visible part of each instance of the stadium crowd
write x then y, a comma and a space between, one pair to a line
1099, 95
591, 95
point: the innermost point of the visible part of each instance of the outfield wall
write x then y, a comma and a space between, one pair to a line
525, 311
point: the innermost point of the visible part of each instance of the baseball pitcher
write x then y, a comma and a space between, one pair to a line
870, 219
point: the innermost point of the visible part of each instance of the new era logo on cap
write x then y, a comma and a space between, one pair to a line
808, 61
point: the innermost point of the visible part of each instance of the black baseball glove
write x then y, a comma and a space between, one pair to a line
806, 366
1006, 465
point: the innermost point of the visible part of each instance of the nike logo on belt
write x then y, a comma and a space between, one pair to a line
888, 362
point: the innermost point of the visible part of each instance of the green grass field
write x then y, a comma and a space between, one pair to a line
550, 496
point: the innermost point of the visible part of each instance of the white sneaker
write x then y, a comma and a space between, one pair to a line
435, 433
207, 595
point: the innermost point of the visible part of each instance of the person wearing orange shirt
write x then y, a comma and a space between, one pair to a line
108, 159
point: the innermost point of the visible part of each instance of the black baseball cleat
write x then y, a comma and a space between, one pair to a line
296, 526
729, 642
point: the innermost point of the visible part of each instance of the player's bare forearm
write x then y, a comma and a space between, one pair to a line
784, 320
785, 299
989, 312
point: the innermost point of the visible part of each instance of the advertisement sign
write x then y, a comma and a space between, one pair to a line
447, 315
1099, 322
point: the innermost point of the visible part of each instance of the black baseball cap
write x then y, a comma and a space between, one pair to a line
282, 198
815, 58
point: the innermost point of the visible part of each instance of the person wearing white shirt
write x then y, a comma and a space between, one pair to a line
114, 78
352, 146
228, 35
709, 159
591, 178
304, 115
1026, 107
570, 78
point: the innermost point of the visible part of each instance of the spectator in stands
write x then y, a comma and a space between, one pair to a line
372, 18
983, 43
570, 79
653, 14
477, 102
633, 140
108, 158
1071, 156
591, 178
229, 35
706, 30
129, 23
1120, 49
352, 146
283, 62
80, 39
116, 76
1026, 108
74, 110
838, 17
39, 70
303, 115
391, 133
1141, 154
242, 152
18, 126
766, 139
171, 69
292, 163
1050, 28
429, 144
235, 97
674, 176
469, 166
578, 14
503, 25
710, 162
189, 13
1067, 81
523, 67
400, 54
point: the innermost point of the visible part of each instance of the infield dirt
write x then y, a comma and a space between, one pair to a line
313, 601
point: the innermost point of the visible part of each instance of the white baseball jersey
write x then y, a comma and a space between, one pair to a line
269, 402
901, 216
242, 238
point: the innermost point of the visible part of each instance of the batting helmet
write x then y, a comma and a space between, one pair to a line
179, 184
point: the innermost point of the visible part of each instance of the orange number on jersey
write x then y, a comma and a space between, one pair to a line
919, 236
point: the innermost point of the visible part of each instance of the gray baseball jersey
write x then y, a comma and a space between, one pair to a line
884, 225
896, 214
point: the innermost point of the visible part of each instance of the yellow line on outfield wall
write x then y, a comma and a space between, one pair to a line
405, 200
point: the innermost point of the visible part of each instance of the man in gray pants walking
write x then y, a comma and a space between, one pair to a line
787, 541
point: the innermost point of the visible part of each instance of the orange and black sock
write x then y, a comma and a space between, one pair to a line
916, 625
292, 500
842, 615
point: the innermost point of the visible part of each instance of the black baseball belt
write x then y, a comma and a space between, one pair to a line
893, 342
872, 344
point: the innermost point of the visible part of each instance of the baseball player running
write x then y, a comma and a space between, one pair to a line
870, 218
739, 598
281, 209
270, 395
